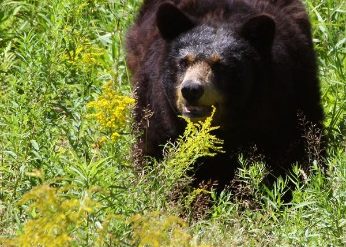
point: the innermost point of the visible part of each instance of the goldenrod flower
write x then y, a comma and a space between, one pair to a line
111, 110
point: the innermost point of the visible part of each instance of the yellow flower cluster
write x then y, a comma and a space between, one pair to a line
156, 229
55, 218
197, 141
111, 110
83, 53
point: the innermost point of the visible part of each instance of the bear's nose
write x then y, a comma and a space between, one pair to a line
192, 91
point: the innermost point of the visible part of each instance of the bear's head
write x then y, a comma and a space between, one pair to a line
212, 64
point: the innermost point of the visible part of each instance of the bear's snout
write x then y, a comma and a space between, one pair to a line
192, 91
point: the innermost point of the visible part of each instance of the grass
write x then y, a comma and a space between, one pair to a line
66, 179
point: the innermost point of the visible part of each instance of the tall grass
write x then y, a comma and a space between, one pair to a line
65, 169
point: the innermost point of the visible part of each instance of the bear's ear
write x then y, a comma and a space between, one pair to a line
260, 31
171, 21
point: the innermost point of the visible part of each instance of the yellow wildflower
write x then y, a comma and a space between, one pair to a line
54, 217
157, 229
111, 111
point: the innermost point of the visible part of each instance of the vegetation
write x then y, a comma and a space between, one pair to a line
65, 130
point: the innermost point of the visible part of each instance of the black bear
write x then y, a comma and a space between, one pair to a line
251, 59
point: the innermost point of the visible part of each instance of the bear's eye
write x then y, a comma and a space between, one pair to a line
183, 63
219, 67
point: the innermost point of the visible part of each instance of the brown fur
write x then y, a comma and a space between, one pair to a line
285, 84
